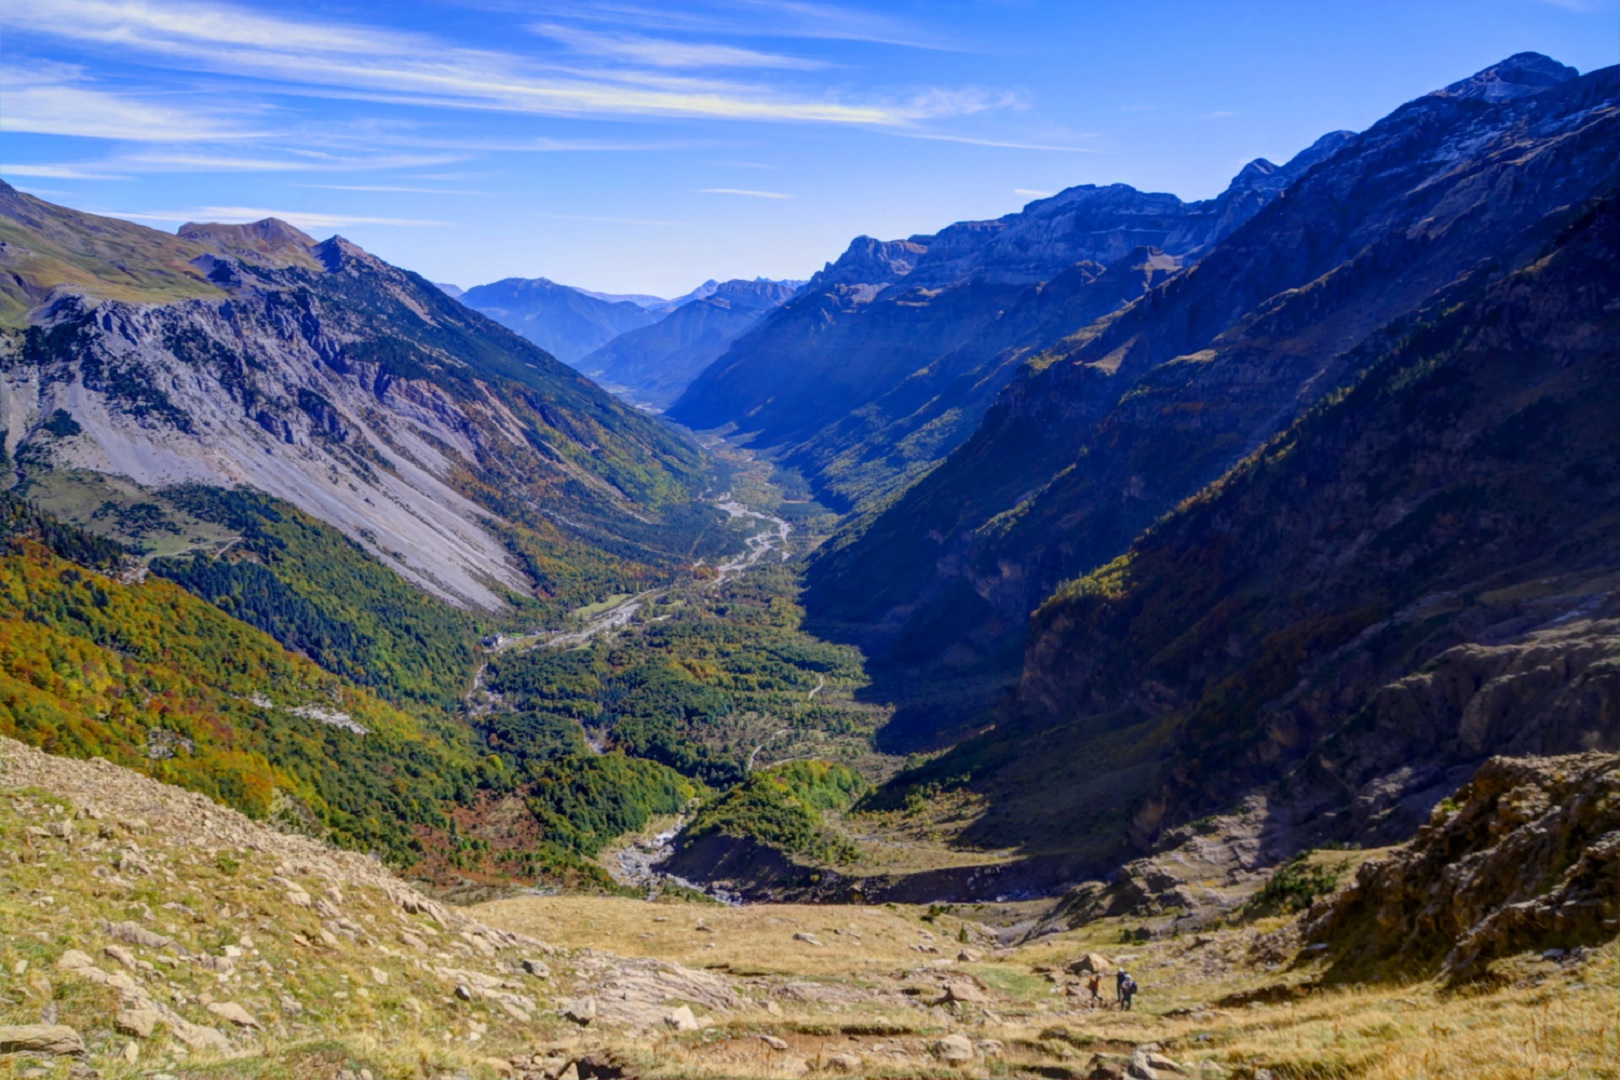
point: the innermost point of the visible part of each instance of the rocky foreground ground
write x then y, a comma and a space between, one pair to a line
147, 932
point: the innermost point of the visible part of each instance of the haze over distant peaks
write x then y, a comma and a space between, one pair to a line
564, 321
653, 364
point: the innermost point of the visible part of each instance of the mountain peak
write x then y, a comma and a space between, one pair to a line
271, 240
338, 252
1520, 75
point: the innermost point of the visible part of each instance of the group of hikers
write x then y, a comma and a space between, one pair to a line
1124, 990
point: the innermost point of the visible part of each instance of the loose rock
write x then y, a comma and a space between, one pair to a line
954, 1049
137, 1022
40, 1039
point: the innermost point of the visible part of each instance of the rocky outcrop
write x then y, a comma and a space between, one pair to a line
1524, 857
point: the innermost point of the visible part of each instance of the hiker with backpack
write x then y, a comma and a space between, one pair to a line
1125, 989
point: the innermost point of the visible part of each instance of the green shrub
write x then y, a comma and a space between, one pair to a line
1296, 883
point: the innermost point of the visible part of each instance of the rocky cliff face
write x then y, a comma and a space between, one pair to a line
1526, 856
885, 361
1106, 429
321, 375
565, 322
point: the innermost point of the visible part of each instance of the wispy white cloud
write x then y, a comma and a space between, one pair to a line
757, 18
999, 143
666, 52
240, 214
61, 172
57, 101
157, 161
743, 191
1222, 114
609, 220
414, 69
1031, 193
293, 161
391, 188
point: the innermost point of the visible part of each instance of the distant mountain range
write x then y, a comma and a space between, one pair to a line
885, 361
602, 333
654, 364
566, 322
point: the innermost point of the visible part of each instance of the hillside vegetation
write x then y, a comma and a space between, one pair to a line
142, 673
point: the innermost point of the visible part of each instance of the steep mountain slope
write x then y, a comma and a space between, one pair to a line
886, 359
655, 363
1421, 572
1107, 429
97, 659
568, 323
444, 444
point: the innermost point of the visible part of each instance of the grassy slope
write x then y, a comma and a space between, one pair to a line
208, 885
110, 260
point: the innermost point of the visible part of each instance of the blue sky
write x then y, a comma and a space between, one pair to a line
639, 146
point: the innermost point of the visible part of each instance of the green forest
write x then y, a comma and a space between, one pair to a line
290, 675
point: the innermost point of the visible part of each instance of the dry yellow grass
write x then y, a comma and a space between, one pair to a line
869, 990
756, 939
1536, 1020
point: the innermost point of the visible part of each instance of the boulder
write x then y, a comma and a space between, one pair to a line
966, 991
40, 1039
231, 1011
138, 1022
954, 1050
681, 1019
844, 1063
197, 1036
1091, 964
580, 1010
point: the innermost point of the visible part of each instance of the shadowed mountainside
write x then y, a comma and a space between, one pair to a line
886, 360
1105, 430
1419, 573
